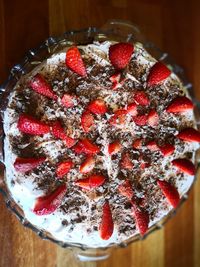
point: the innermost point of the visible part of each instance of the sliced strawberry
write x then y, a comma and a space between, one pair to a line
90, 182
132, 109
27, 164
184, 165
158, 73
87, 121
167, 149
152, 146
87, 147
74, 61
97, 106
170, 192
40, 85
114, 147
126, 189
141, 98
126, 162
141, 220
63, 168
140, 120
58, 132
180, 104
137, 144
115, 77
119, 118
189, 135
48, 204
120, 54
29, 125
87, 165
153, 118
68, 100
106, 226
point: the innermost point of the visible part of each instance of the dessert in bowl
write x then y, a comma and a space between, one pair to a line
100, 143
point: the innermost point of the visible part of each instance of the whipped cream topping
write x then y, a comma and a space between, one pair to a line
77, 219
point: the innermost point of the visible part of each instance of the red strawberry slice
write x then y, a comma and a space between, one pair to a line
120, 54
87, 165
189, 135
126, 162
137, 144
58, 132
158, 73
119, 118
115, 77
153, 118
29, 125
114, 147
184, 165
141, 98
91, 182
27, 164
87, 121
132, 109
48, 204
68, 100
170, 192
63, 168
87, 147
180, 104
140, 120
74, 61
141, 220
97, 106
106, 226
40, 85
167, 149
126, 189
152, 146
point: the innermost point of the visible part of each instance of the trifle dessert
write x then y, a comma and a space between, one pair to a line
100, 143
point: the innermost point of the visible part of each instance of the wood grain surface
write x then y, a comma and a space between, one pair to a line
174, 27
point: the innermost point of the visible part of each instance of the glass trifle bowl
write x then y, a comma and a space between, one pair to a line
112, 32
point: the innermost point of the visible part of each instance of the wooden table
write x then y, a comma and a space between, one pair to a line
174, 27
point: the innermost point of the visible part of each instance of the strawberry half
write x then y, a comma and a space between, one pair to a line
152, 146
167, 149
153, 118
48, 204
63, 168
40, 85
170, 192
106, 226
120, 54
126, 162
119, 118
126, 189
158, 73
141, 220
58, 132
114, 148
27, 164
97, 106
137, 144
87, 121
189, 135
87, 147
140, 120
180, 104
141, 98
74, 61
132, 109
68, 100
87, 165
91, 182
29, 125
184, 165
